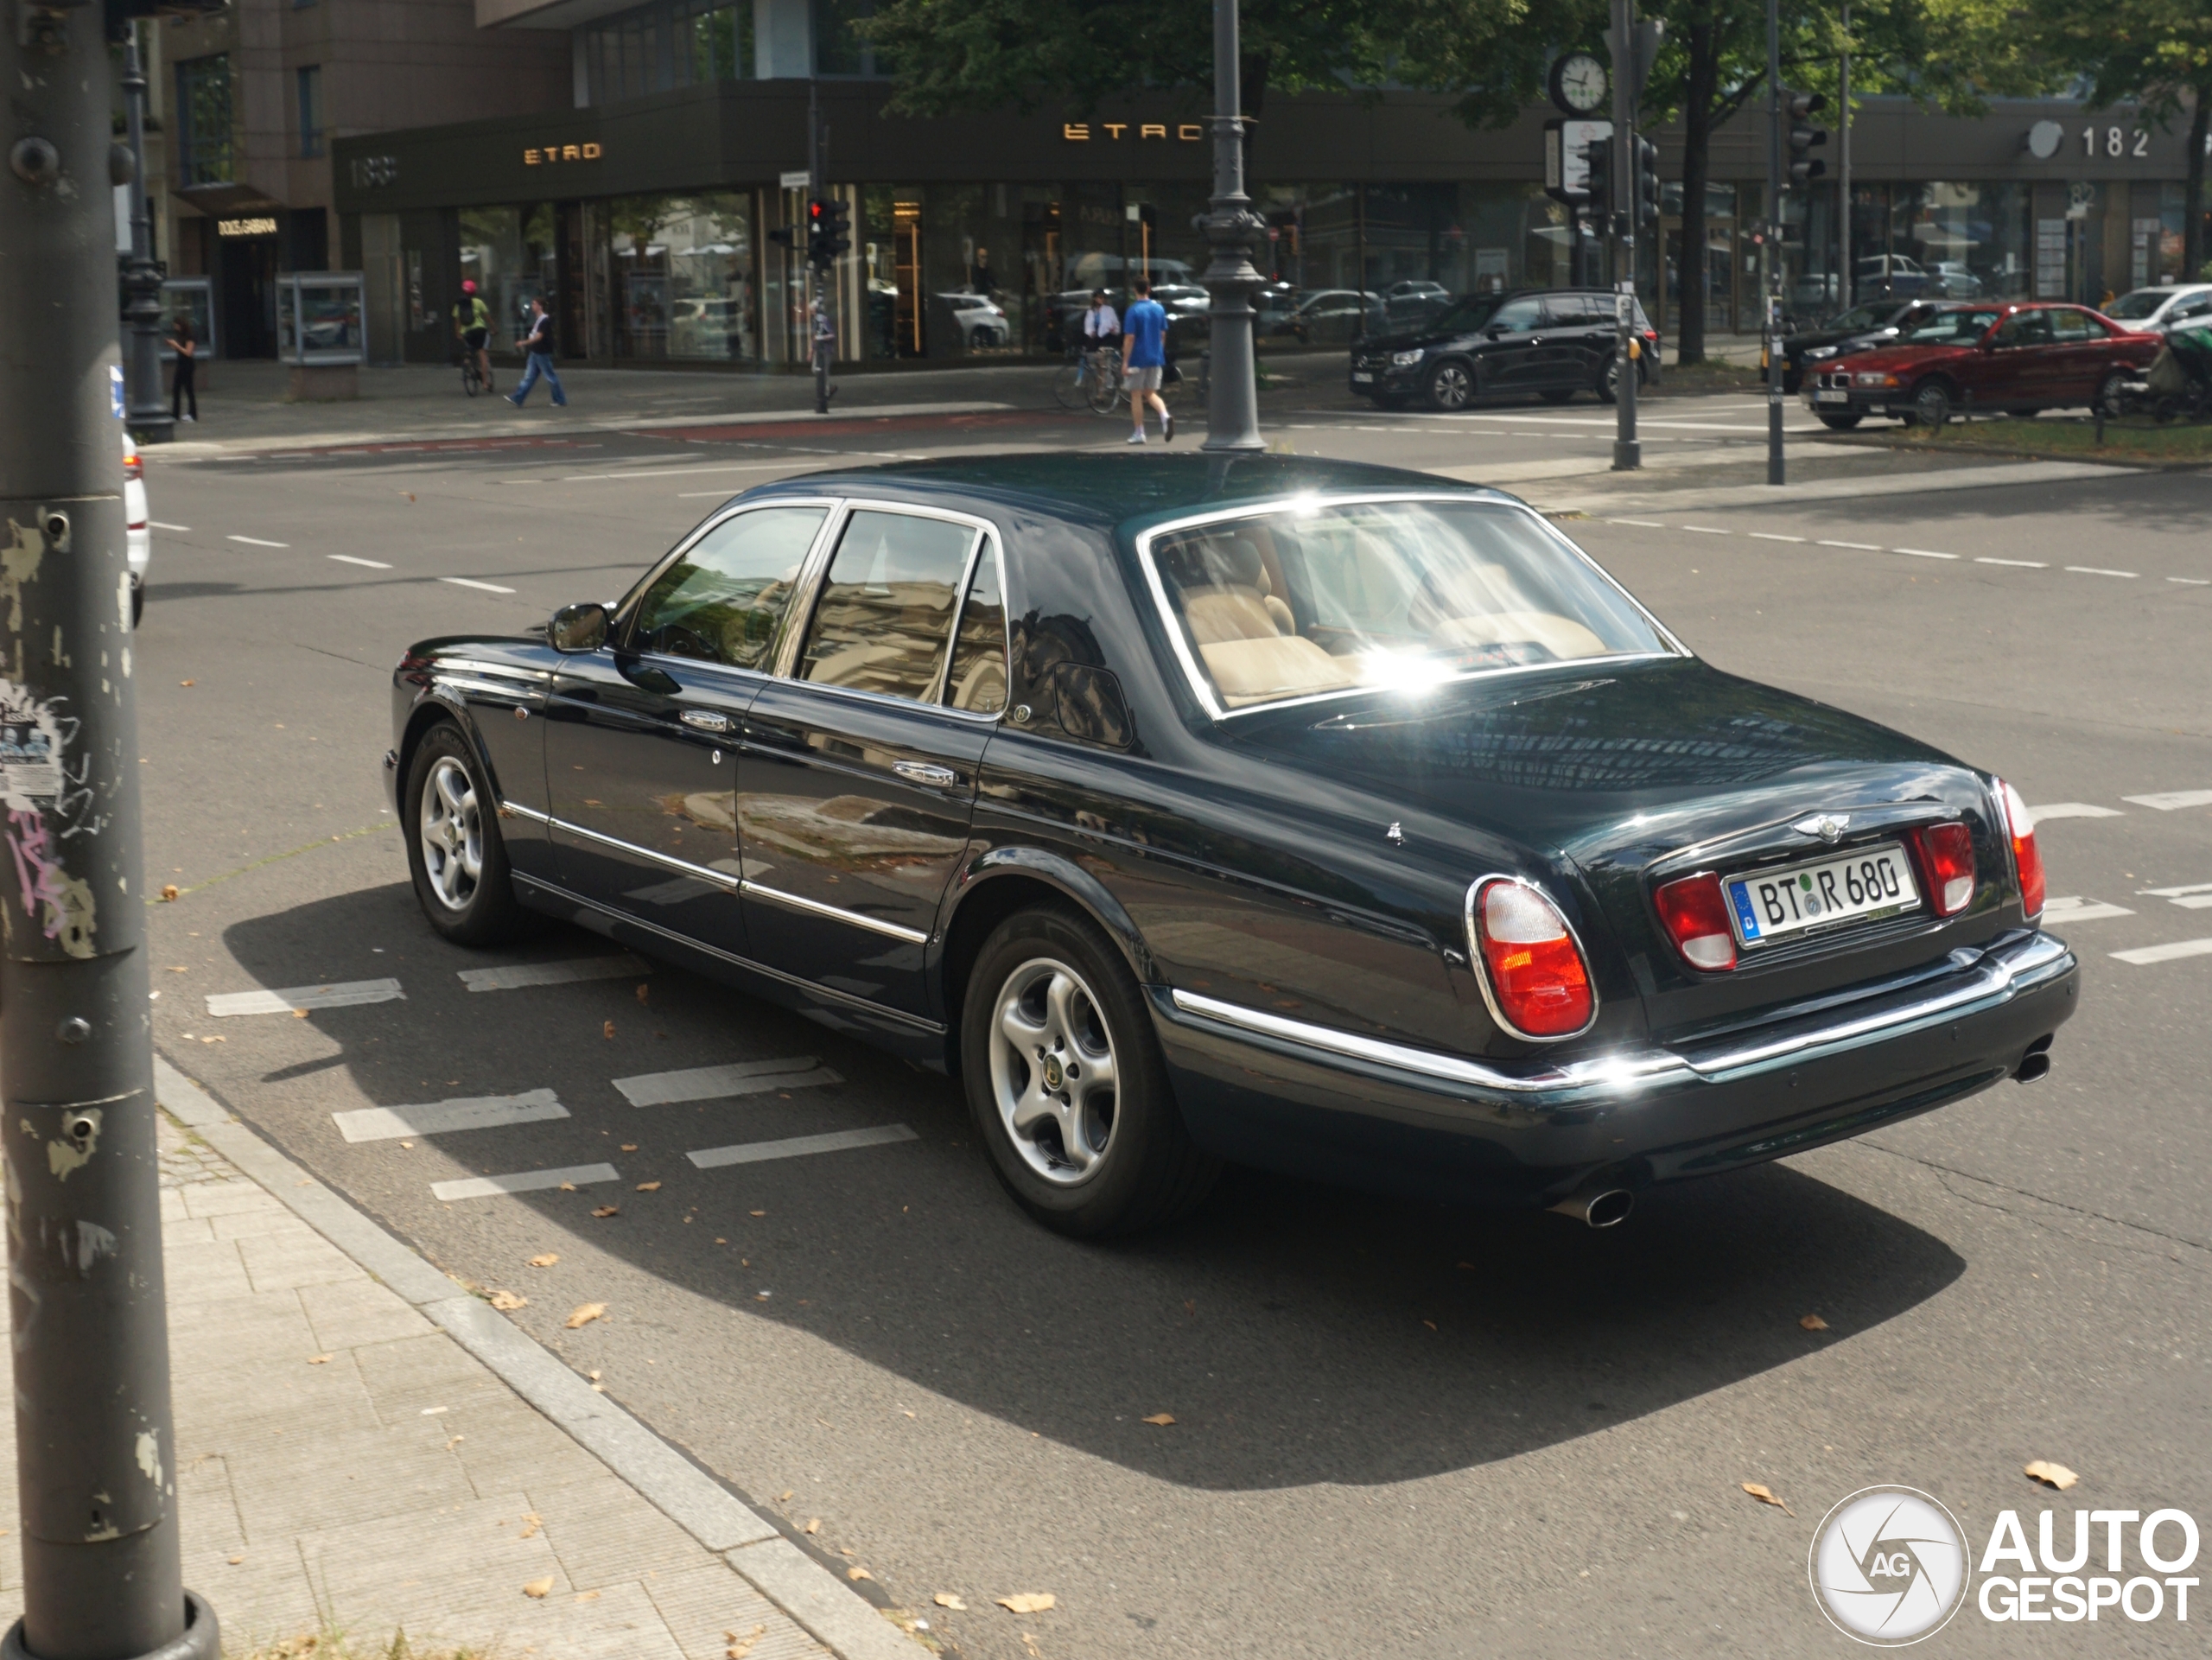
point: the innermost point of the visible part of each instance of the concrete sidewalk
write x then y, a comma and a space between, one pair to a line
349, 1466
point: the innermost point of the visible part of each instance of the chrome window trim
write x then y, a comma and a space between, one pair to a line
1481, 966
726, 880
814, 907
1201, 683
623, 614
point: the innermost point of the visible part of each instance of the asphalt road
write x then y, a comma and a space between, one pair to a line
1400, 1430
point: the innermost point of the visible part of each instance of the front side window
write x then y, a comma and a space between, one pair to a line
2138, 303
722, 600
885, 612
1396, 595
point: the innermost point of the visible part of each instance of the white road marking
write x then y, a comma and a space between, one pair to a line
2194, 901
1924, 553
348, 559
713, 1082
2172, 800
2179, 948
2074, 810
2189, 581
1771, 535
439, 1117
256, 542
2098, 570
342, 994
2185, 889
2024, 564
465, 581
1640, 524
2080, 910
666, 472
1708, 530
1861, 547
524, 1182
795, 1147
512, 976
186, 531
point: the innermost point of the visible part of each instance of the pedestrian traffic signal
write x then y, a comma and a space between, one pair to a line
1598, 209
1644, 188
1800, 108
828, 230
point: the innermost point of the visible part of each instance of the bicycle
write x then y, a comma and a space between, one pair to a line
1091, 379
473, 378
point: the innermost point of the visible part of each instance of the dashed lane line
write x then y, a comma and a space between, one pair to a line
2192, 581
714, 1083
2073, 810
2167, 953
181, 530
1857, 547
2098, 570
1924, 553
2024, 564
1708, 530
513, 976
348, 559
1759, 536
2082, 910
2173, 800
467, 581
256, 542
343, 994
1640, 524
524, 1181
711, 1158
2181, 895
443, 1117
1917, 553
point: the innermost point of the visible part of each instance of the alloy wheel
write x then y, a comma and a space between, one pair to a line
1451, 386
1932, 406
452, 834
1052, 1071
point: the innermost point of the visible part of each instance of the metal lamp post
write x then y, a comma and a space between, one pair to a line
1232, 401
146, 412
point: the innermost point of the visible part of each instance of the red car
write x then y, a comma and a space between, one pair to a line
1989, 356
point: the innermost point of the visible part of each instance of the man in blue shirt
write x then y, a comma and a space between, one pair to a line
1144, 355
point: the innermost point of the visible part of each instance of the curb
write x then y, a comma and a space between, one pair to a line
828, 1609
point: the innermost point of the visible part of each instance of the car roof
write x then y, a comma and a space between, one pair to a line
1130, 492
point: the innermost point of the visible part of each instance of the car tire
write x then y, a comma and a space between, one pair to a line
1051, 1002
1452, 384
1840, 422
451, 821
1931, 405
1608, 383
138, 603
2112, 395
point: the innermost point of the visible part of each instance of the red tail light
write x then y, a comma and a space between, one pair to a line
2027, 858
1539, 984
1946, 861
1697, 921
133, 466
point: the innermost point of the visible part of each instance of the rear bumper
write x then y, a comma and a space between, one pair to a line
1262, 1089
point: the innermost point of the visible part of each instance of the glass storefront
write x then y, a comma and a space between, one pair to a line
508, 252
683, 277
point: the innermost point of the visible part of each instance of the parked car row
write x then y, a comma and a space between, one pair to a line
1553, 342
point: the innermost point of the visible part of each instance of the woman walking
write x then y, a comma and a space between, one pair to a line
181, 343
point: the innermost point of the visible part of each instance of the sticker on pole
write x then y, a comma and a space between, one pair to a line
115, 389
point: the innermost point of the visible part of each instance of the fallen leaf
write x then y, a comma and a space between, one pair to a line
858, 1573
407, 1147
946, 1599
318, 1360
184, 683
607, 1031
813, 1526
607, 1210
1163, 1418
786, 1495
178, 968
644, 992
629, 1147
1814, 1323
649, 1187
568, 1187
1430, 1324
299, 1014
718, 1240
593, 1376
1028, 1602
506, 1302
1765, 1496
1470, 1268
2052, 1475
169, 891
587, 1596
235, 1560
539, 1588
742, 1646
531, 1525
585, 1314
748, 1213
545, 1259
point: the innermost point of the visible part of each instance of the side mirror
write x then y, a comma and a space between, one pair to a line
578, 627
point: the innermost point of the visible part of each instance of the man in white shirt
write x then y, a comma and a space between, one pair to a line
1100, 326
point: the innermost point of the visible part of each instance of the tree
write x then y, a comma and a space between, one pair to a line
2155, 53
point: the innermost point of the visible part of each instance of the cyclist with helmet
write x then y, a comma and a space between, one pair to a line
472, 325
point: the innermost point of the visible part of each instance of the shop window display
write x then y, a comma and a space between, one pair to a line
683, 274
508, 252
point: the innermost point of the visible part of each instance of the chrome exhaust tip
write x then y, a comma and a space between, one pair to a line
1597, 1207
2035, 1066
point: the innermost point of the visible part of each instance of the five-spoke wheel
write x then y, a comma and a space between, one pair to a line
454, 851
453, 834
1052, 1070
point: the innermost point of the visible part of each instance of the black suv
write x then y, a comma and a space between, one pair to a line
1555, 342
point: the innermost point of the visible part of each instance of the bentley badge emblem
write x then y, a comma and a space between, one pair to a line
1828, 826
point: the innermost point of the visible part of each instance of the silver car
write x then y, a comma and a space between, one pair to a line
2157, 310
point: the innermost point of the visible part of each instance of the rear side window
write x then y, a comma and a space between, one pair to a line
884, 616
977, 681
2072, 327
723, 601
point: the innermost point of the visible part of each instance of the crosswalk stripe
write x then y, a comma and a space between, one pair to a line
439, 1117
513, 976
712, 1083
2073, 810
2172, 800
2167, 953
797, 1147
343, 994
2076, 910
524, 1181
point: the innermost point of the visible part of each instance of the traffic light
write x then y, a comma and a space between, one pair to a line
828, 230
1644, 188
1600, 156
1801, 108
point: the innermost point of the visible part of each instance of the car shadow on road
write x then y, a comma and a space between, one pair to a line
1296, 1333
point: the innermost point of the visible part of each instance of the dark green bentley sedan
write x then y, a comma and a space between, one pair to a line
1332, 819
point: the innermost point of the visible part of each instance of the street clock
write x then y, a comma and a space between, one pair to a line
1578, 83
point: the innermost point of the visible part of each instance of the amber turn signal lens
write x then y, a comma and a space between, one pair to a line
1537, 977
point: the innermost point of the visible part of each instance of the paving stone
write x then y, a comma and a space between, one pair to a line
403, 1377
225, 1333
702, 1603
505, 1439
250, 1224
226, 1197
199, 1273
603, 1533
348, 1313
295, 1256
220, 1411
346, 1477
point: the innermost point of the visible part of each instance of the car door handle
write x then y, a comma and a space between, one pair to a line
922, 771
705, 720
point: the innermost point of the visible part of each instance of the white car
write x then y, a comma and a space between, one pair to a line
139, 545
2157, 310
982, 323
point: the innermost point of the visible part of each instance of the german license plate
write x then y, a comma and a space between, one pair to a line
1360, 377
1831, 394
1772, 904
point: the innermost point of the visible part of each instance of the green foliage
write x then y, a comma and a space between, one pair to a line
2158, 52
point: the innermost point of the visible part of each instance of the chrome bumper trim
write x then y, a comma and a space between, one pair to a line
1991, 977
